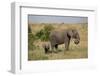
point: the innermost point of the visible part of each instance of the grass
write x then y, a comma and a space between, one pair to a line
75, 51
37, 55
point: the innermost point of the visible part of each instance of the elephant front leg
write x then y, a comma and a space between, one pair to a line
52, 47
67, 42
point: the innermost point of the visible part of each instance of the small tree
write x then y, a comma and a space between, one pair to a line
29, 29
44, 33
31, 39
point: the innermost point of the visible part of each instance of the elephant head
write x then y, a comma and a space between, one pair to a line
74, 35
46, 47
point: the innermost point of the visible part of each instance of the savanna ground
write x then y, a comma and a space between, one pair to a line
75, 51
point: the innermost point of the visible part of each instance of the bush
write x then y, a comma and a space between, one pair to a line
48, 27
29, 29
39, 34
31, 39
44, 33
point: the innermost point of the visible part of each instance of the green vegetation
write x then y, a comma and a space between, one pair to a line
43, 34
31, 39
29, 29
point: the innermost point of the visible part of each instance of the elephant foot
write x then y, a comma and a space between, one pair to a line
48, 52
55, 51
66, 49
59, 50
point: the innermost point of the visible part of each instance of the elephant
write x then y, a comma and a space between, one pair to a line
46, 47
63, 37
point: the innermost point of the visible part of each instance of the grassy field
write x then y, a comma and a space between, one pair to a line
75, 51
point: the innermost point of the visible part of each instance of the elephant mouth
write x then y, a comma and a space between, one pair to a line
76, 41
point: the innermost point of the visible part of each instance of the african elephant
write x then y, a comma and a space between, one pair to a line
46, 47
63, 37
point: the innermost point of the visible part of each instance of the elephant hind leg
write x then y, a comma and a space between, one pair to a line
52, 47
46, 51
56, 46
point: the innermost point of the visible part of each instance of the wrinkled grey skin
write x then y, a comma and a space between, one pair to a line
63, 37
46, 47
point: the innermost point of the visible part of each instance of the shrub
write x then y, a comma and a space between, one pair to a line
31, 39
48, 27
39, 34
44, 33
29, 29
